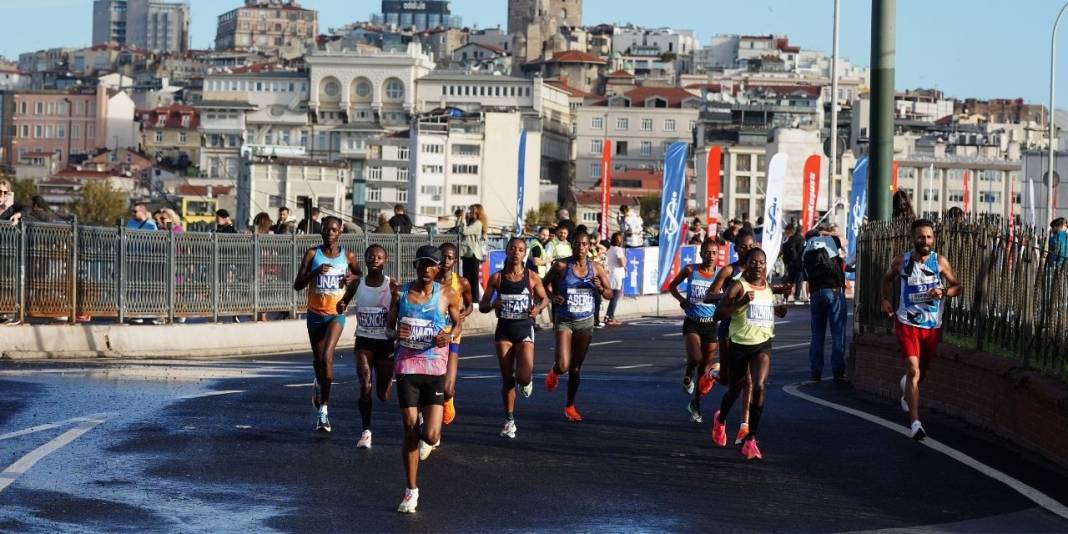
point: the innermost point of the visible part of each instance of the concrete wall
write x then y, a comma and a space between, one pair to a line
209, 339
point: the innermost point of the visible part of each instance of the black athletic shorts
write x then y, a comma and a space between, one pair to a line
708, 332
415, 391
514, 331
380, 349
743, 353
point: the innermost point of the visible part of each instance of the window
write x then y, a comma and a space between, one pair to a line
760, 162
268, 139
464, 189
51, 108
38, 131
622, 123
22, 107
232, 141
597, 123
992, 197
693, 125
956, 196
185, 121
596, 146
647, 148
742, 162
61, 132
183, 137
394, 89
432, 149
430, 211
159, 137
931, 194
621, 148
363, 89
595, 170
26, 131
38, 108
374, 195
331, 88
402, 195
647, 125
402, 174
590, 216
466, 150
741, 184
430, 189
741, 207
460, 168
669, 125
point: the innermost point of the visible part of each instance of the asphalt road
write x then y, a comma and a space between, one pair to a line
227, 445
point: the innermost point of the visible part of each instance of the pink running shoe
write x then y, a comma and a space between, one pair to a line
719, 431
751, 451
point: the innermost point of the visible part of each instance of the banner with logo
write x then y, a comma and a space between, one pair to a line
672, 208
966, 191
676, 265
632, 281
606, 187
773, 223
811, 192
712, 181
520, 189
858, 207
893, 177
650, 274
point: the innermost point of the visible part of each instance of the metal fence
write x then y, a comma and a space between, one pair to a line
1014, 299
68, 271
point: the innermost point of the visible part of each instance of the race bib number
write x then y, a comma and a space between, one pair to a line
580, 301
371, 320
329, 283
515, 307
921, 296
421, 333
760, 315
698, 292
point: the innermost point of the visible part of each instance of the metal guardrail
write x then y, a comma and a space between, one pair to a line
1014, 299
66, 271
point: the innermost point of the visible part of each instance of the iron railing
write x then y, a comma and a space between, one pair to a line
68, 271
1014, 299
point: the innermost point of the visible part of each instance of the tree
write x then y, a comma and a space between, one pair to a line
24, 190
100, 205
544, 215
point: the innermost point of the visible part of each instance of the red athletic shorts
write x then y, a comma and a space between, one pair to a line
915, 341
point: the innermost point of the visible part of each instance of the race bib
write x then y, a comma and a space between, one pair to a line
371, 320
422, 333
329, 283
580, 301
921, 296
698, 292
515, 307
762, 315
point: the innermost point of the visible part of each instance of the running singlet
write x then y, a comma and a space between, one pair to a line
418, 354
372, 306
516, 301
327, 289
754, 323
697, 287
916, 307
454, 284
577, 293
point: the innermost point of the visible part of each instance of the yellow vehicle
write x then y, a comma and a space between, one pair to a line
199, 209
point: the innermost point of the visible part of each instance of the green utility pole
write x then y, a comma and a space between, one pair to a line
881, 156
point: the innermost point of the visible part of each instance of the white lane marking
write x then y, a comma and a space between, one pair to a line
673, 334
480, 377
599, 343
308, 385
480, 356
634, 366
14, 471
50, 426
211, 394
1039, 498
793, 346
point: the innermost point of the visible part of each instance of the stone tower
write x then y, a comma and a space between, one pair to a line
523, 13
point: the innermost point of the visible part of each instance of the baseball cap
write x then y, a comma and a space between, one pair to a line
429, 253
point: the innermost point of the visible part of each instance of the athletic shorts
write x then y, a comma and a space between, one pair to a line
514, 331
708, 332
317, 324
380, 349
580, 326
725, 329
415, 391
915, 341
740, 353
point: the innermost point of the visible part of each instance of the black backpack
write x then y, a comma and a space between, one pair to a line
818, 260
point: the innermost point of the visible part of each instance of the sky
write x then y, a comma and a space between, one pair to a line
966, 48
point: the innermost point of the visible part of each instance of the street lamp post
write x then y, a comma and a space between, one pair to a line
1052, 112
833, 167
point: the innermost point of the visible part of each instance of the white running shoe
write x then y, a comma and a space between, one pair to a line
323, 422
425, 449
527, 390
904, 403
411, 500
509, 430
688, 385
918, 433
695, 414
365, 440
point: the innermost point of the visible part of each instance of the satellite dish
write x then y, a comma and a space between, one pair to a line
827, 146
1056, 179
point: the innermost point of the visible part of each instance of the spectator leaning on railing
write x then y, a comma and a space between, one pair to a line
1058, 242
223, 224
472, 244
10, 210
140, 218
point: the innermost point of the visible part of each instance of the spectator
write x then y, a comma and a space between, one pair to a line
902, 205
563, 218
400, 222
792, 250
559, 248
316, 226
1058, 242
261, 223
282, 226
458, 227
730, 233
223, 224
538, 257
955, 214
824, 268
632, 226
9, 209
697, 232
157, 217
174, 222
472, 247
40, 211
616, 263
140, 218
383, 225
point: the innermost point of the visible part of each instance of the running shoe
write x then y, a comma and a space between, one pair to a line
918, 433
509, 430
743, 431
527, 390
572, 414
719, 431
323, 423
751, 451
411, 500
695, 413
904, 403
706, 382
449, 412
365, 440
551, 381
687, 385
315, 394
425, 449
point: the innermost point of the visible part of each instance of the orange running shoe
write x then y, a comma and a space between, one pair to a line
705, 383
572, 414
719, 431
751, 451
551, 381
449, 413
743, 431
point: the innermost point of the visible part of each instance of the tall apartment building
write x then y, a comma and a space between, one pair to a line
148, 24
274, 26
523, 13
265, 184
63, 124
421, 15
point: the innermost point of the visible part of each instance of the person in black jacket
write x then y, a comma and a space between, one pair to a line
401, 223
824, 269
792, 249
223, 224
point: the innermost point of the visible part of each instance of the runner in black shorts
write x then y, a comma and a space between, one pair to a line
517, 288
699, 326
